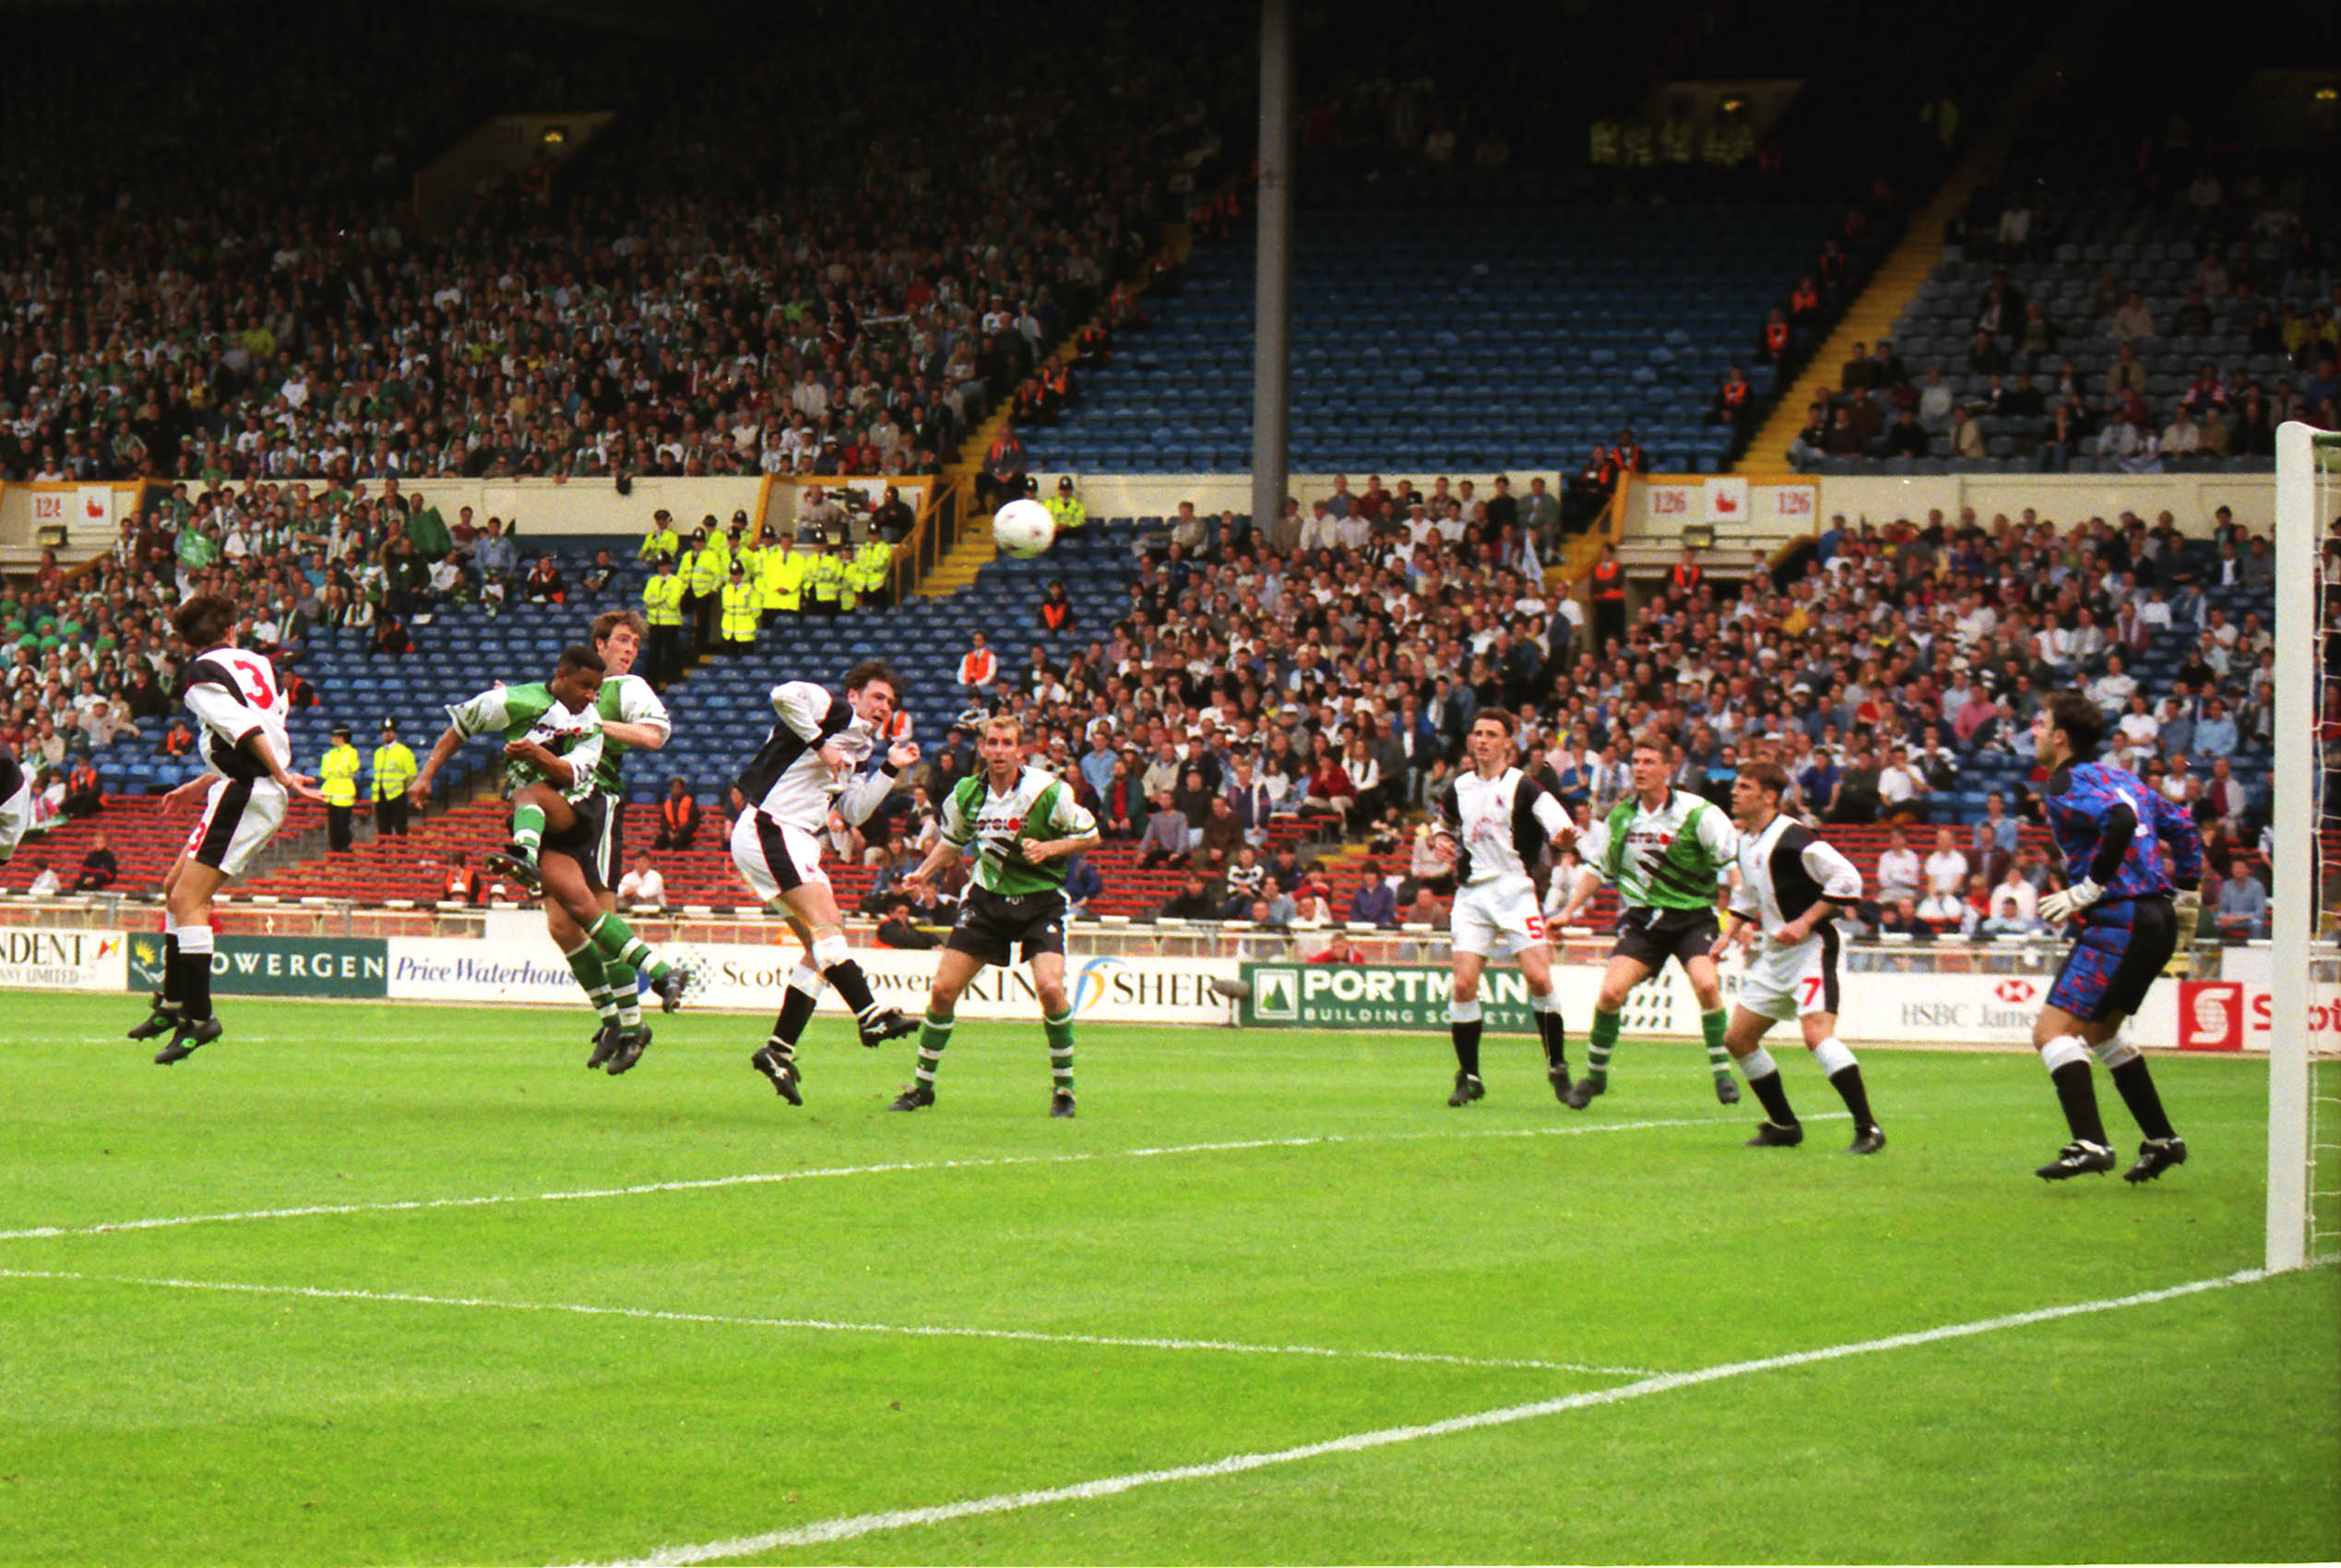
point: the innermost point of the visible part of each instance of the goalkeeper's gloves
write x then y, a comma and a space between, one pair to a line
2188, 907
2058, 908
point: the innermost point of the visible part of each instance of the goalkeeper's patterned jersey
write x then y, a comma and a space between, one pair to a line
1669, 858
533, 713
625, 699
1037, 806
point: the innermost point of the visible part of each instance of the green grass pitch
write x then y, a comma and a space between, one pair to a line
904, 1313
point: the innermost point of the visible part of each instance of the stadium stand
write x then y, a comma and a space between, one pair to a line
1501, 336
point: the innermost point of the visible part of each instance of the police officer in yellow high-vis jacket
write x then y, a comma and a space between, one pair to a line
741, 604
662, 607
748, 555
660, 539
825, 582
338, 781
1067, 507
394, 769
706, 569
873, 571
784, 573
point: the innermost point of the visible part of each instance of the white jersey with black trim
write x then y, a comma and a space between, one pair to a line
234, 696
788, 781
1502, 826
1785, 870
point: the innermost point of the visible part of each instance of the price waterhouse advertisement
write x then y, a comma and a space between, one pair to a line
35, 958
278, 966
749, 979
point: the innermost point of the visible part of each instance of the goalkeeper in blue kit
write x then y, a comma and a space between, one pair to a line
2126, 849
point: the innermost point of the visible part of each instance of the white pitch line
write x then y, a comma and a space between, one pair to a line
924, 1331
824, 1531
164, 1222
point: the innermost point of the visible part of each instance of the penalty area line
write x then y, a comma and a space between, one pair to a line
848, 1528
922, 1331
765, 1178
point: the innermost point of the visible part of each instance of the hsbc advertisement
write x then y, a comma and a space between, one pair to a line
1934, 1008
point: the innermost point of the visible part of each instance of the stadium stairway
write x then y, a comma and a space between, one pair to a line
1908, 267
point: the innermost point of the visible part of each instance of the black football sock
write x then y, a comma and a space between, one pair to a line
193, 969
1763, 1081
1553, 1035
1846, 1081
853, 988
2145, 1101
796, 1008
1463, 1023
2078, 1094
171, 979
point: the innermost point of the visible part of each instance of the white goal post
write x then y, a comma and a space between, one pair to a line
2303, 453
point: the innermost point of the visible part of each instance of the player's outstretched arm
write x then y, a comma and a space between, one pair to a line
1588, 883
945, 855
449, 742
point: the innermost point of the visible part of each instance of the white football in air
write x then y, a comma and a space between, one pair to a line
1024, 528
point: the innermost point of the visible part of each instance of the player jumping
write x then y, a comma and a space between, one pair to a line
1793, 887
632, 715
553, 743
1496, 821
2112, 830
1025, 824
805, 764
235, 697
1664, 848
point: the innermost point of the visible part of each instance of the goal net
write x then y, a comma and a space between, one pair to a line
2304, 1089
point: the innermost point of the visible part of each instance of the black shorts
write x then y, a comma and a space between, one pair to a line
1650, 937
590, 841
2122, 946
991, 926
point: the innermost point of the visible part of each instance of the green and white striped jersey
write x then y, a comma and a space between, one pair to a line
531, 712
625, 699
1038, 806
1668, 858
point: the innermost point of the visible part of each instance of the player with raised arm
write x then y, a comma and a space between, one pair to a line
1497, 822
632, 717
1793, 887
2113, 832
807, 761
1667, 852
553, 743
234, 697
1024, 825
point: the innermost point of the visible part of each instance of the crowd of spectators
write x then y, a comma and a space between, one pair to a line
715, 293
2264, 275
1252, 678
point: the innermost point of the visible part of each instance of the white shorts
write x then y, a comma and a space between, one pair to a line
15, 816
240, 816
1788, 983
1501, 915
774, 858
